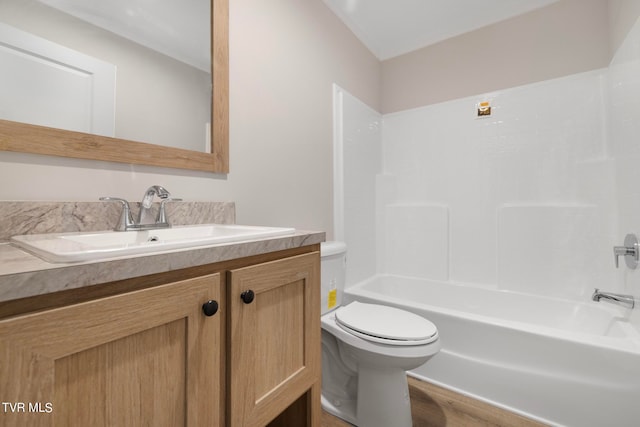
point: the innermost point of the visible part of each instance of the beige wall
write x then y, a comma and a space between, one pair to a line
622, 15
564, 38
284, 57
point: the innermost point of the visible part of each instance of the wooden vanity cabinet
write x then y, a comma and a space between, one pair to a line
274, 339
152, 356
149, 357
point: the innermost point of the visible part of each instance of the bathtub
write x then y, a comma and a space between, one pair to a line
560, 362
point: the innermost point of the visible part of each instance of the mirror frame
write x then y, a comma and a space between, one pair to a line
26, 138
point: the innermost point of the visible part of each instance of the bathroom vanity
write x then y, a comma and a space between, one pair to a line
225, 335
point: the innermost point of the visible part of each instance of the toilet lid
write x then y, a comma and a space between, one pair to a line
387, 325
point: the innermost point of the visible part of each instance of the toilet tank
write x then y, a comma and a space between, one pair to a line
333, 270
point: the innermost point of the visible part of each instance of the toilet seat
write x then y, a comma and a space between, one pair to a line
385, 325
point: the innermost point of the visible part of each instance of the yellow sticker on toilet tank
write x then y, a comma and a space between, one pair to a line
333, 294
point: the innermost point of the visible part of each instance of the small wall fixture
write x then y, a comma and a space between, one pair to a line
484, 108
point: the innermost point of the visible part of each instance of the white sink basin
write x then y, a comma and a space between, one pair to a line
74, 247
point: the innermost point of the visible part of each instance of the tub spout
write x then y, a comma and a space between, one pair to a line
623, 300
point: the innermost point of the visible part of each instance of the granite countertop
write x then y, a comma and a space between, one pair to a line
24, 275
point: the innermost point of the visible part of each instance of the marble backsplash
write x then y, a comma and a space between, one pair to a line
26, 217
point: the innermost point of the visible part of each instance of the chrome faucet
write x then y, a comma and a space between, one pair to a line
145, 215
623, 300
146, 221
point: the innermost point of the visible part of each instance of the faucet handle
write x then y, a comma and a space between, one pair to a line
630, 251
617, 252
162, 214
126, 219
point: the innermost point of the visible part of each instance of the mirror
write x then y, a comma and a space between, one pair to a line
50, 140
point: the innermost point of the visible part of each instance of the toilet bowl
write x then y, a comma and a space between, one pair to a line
366, 351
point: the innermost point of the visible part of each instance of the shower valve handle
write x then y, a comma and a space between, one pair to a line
630, 251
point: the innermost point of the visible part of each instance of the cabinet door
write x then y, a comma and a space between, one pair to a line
274, 351
144, 358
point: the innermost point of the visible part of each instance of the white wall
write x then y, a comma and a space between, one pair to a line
284, 57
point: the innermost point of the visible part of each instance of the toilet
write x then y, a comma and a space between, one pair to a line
366, 351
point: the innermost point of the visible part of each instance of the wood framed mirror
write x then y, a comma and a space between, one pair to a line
28, 138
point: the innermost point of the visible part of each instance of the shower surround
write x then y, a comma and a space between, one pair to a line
522, 200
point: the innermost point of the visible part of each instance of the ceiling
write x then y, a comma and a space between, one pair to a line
393, 27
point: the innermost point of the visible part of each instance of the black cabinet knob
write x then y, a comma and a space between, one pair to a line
248, 296
210, 308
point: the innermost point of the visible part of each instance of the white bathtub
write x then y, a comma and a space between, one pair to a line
560, 362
